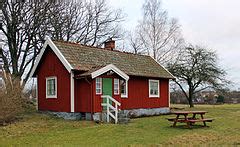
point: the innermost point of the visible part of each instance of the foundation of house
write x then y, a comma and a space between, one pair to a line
133, 113
66, 115
99, 116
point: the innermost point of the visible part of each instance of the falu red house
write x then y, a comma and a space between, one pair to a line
84, 81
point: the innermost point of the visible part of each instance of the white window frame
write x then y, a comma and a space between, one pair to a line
149, 90
125, 95
51, 78
116, 88
100, 81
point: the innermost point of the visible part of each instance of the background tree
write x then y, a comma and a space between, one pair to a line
157, 33
136, 44
196, 70
21, 27
25, 26
86, 22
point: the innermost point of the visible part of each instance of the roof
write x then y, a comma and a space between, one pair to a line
89, 59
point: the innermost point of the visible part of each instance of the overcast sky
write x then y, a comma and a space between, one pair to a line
211, 23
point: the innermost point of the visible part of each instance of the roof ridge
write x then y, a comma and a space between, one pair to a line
94, 47
84, 58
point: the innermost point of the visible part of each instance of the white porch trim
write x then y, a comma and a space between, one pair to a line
56, 51
108, 68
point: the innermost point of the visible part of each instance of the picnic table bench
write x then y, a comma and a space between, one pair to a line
189, 120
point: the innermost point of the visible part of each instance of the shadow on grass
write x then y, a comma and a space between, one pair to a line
196, 126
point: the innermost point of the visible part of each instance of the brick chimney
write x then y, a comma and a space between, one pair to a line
110, 44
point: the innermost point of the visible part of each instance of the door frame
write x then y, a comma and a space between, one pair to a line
109, 82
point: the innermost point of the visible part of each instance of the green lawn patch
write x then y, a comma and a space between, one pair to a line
36, 129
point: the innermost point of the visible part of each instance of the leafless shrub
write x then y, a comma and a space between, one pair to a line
11, 104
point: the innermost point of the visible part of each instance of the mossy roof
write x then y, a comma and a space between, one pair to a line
87, 58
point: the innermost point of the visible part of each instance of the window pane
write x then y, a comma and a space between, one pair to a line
48, 87
97, 80
98, 85
51, 87
123, 87
98, 91
154, 88
116, 86
116, 91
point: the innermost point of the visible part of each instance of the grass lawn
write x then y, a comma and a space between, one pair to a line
37, 129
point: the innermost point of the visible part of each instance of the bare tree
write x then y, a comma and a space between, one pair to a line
197, 70
136, 43
21, 24
87, 22
26, 24
158, 33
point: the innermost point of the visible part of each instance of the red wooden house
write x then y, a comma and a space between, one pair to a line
72, 80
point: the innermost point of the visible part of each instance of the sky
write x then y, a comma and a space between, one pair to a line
214, 24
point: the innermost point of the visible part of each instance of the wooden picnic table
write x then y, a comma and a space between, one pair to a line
189, 120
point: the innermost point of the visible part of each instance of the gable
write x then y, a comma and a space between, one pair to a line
107, 68
50, 45
50, 62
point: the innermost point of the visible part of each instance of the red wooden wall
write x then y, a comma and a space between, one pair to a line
83, 95
138, 94
50, 65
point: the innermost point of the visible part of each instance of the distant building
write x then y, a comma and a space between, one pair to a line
208, 94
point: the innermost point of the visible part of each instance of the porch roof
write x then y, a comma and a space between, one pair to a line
97, 71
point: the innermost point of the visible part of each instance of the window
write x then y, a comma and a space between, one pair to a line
98, 85
116, 86
123, 87
51, 87
153, 88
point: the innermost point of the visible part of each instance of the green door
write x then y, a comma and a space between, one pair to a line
107, 88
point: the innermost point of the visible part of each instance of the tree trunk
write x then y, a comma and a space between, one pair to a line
190, 98
16, 81
7, 80
12, 82
190, 102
